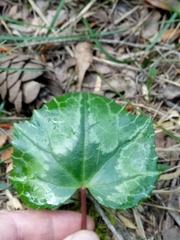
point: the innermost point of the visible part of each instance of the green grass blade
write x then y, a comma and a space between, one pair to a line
61, 4
22, 23
25, 40
6, 147
163, 167
174, 6
2, 106
173, 17
13, 119
72, 37
99, 45
24, 69
14, 48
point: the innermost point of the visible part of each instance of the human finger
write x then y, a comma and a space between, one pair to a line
83, 235
43, 224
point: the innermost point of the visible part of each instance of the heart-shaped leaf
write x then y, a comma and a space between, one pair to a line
84, 140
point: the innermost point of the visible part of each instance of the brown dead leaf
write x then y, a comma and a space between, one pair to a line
171, 91
62, 17
6, 155
6, 125
170, 33
165, 4
9, 168
174, 202
162, 4
145, 92
89, 82
17, 13
173, 114
83, 55
35, 21
101, 68
169, 176
98, 84
3, 140
127, 223
5, 49
124, 84
140, 228
102, 15
160, 140
43, 58
61, 71
13, 203
151, 26
13, 11
47, 47
171, 234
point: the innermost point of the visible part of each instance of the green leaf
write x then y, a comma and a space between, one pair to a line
174, 6
163, 167
153, 72
84, 140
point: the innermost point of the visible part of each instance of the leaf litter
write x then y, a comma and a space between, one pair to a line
84, 58
158, 96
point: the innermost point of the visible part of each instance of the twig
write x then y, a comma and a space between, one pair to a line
174, 215
155, 64
139, 223
72, 22
125, 15
39, 12
105, 219
116, 64
172, 105
164, 191
103, 40
161, 207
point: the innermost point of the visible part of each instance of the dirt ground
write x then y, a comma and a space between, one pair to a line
124, 50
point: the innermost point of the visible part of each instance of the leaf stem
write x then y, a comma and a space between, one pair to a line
83, 207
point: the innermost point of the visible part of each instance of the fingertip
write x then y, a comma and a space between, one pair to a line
90, 223
83, 235
3, 211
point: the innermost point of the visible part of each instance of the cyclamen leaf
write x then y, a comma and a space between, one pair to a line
84, 140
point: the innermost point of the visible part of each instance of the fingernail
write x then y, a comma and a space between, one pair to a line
83, 235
